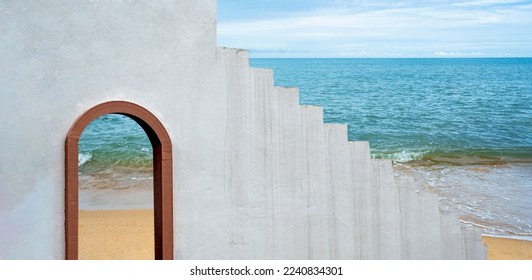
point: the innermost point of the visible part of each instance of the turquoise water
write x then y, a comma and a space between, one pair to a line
421, 108
114, 153
114, 140
462, 127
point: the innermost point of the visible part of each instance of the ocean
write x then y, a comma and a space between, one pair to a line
461, 127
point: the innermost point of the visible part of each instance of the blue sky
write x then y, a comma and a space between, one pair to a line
361, 28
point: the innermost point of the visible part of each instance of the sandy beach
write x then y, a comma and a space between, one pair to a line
506, 248
116, 234
128, 235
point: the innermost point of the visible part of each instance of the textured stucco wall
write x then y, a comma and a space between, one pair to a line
256, 175
60, 58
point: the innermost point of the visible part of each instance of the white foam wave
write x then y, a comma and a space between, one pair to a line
403, 156
83, 158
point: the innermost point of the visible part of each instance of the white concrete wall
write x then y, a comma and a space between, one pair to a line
60, 58
256, 175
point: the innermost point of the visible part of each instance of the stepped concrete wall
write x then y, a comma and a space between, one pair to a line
256, 175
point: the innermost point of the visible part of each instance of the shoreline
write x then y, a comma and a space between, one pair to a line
128, 234
493, 197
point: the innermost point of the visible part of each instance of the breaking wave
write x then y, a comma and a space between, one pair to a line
457, 157
403, 156
83, 158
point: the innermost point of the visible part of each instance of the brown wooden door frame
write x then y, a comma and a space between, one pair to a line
162, 175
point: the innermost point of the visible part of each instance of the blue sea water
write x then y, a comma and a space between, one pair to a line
462, 127
114, 140
114, 153
421, 108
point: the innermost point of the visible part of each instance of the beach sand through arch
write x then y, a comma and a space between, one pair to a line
115, 173
116, 234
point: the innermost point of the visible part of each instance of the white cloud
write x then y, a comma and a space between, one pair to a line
485, 3
457, 54
391, 30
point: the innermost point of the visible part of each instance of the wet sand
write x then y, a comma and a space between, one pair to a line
128, 235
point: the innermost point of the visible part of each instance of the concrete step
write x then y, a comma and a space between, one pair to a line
365, 201
315, 179
411, 231
388, 217
290, 198
430, 226
341, 193
452, 238
237, 57
474, 248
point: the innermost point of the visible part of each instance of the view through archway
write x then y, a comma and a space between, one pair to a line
115, 190
162, 178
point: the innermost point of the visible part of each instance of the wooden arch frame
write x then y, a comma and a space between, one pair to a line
162, 175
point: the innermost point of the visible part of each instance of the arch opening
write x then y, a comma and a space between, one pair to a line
162, 175
115, 186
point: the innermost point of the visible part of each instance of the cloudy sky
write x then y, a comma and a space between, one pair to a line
380, 28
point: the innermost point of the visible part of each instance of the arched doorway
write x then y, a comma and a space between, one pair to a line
162, 175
